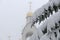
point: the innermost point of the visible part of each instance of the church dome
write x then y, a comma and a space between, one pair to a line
29, 13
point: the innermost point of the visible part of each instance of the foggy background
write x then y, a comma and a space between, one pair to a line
13, 16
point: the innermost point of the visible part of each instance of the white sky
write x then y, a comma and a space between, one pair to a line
12, 16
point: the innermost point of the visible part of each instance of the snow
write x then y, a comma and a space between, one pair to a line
55, 1
45, 37
50, 22
40, 11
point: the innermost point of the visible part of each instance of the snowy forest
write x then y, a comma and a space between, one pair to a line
49, 14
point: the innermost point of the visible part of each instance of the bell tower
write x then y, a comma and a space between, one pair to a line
30, 13
28, 30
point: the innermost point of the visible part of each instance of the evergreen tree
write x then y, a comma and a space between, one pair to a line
59, 6
44, 31
36, 20
55, 34
42, 17
56, 26
55, 7
45, 11
39, 19
50, 10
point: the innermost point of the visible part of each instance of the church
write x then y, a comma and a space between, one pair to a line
49, 16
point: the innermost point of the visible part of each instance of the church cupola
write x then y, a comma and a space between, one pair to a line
29, 14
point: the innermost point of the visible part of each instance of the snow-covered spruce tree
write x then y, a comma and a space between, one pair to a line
49, 14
